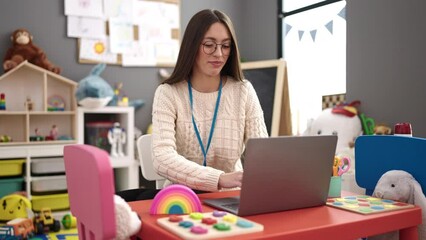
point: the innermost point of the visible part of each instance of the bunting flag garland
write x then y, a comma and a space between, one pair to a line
313, 33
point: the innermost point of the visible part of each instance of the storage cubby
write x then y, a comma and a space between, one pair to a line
93, 127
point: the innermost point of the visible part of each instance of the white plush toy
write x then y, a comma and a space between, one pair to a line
343, 122
401, 186
127, 221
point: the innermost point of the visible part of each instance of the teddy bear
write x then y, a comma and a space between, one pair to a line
401, 186
23, 49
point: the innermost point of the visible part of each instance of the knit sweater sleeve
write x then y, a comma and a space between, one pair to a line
167, 161
255, 122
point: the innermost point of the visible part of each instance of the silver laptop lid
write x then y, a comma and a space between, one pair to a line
287, 172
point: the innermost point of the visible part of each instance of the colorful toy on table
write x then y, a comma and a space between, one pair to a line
366, 204
175, 199
216, 224
341, 165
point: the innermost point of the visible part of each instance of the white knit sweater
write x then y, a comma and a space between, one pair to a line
176, 152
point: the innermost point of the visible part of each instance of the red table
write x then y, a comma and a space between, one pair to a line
309, 223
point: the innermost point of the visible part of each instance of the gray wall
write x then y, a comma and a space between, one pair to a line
386, 60
255, 22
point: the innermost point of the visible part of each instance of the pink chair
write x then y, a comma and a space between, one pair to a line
90, 184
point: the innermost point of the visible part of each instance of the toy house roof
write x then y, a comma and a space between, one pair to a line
35, 68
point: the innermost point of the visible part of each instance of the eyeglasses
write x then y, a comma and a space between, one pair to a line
210, 47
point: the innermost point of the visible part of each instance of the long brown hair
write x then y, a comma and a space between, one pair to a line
194, 34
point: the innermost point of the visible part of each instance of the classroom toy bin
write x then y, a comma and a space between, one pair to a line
11, 185
56, 202
96, 134
47, 166
13, 167
51, 185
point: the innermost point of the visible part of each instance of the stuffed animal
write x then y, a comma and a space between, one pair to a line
381, 129
343, 121
401, 186
127, 221
24, 49
93, 91
340, 121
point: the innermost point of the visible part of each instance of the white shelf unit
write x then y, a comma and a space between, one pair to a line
126, 168
37, 99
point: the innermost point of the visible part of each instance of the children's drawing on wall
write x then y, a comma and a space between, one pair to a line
96, 50
140, 33
86, 27
87, 8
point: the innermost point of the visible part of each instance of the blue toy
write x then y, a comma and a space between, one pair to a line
93, 91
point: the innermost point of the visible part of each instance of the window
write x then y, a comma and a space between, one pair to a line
314, 47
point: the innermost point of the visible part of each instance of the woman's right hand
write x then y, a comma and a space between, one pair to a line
230, 180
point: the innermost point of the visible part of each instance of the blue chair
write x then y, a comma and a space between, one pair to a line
376, 155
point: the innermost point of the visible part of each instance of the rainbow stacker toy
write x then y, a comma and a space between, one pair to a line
175, 199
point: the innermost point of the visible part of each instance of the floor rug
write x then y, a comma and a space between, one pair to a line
63, 234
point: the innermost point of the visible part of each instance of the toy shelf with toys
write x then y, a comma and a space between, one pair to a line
37, 107
38, 117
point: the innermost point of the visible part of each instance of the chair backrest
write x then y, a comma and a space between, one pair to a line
376, 155
144, 148
90, 183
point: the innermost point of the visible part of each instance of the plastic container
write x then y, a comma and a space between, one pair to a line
96, 134
403, 129
44, 166
9, 168
55, 202
11, 185
49, 185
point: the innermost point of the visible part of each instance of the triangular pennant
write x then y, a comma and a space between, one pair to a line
313, 34
301, 35
329, 26
342, 13
287, 28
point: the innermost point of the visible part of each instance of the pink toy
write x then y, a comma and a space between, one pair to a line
175, 199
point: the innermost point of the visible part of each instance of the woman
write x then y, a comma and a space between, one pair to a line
204, 112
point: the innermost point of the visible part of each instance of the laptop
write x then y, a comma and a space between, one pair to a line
282, 173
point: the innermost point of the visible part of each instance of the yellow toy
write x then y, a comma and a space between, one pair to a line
14, 206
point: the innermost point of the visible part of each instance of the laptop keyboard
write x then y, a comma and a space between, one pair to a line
232, 206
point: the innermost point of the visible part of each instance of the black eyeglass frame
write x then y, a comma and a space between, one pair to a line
215, 47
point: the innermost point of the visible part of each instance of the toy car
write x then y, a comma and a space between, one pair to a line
44, 222
21, 228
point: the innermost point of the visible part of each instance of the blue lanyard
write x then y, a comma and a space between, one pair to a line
205, 150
